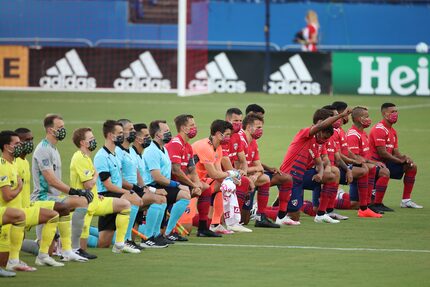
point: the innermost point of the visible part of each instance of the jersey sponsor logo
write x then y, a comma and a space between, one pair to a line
294, 78
142, 74
3, 178
218, 76
68, 73
45, 162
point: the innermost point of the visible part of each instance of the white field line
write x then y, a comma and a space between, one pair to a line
307, 247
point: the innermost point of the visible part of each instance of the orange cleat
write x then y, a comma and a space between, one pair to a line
368, 213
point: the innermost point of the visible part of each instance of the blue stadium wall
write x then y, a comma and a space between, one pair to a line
341, 24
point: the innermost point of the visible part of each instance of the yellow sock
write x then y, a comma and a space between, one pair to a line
121, 223
86, 229
16, 238
48, 233
65, 228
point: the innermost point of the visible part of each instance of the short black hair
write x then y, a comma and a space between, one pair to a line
322, 114
220, 126
6, 138
21, 131
357, 112
109, 127
154, 127
387, 105
255, 109
330, 108
232, 111
182, 120
250, 119
340, 106
139, 127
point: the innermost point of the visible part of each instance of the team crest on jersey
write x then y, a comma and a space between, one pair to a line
235, 146
45, 162
87, 172
294, 202
3, 178
253, 153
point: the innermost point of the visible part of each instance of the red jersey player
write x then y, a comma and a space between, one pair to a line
384, 147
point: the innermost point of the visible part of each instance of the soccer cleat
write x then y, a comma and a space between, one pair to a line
133, 244
375, 209
153, 243
48, 261
368, 213
5, 273
325, 219
20, 266
207, 233
253, 212
161, 239
85, 254
382, 207
337, 216
410, 204
174, 236
262, 221
71, 256
220, 229
124, 248
286, 221
238, 228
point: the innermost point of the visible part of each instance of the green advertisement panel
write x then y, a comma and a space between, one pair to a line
380, 74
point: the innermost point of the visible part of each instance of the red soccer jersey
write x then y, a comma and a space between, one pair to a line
308, 33
340, 139
315, 150
358, 142
180, 152
298, 153
235, 146
250, 149
382, 135
332, 148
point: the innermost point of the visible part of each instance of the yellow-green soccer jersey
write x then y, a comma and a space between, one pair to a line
9, 177
81, 170
24, 173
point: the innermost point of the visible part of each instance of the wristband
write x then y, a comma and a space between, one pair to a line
173, 183
151, 189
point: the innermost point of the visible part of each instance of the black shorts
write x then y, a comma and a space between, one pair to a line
172, 192
107, 222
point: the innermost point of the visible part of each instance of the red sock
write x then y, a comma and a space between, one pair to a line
284, 195
272, 212
371, 185
343, 202
363, 187
408, 183
381, 187
308, 208
204, 203
332, 201
242, 190
328, 188
263, 197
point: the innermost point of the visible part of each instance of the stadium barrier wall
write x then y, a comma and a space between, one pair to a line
14, 66
380, 74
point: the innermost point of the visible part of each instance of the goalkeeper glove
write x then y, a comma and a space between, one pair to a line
85, 193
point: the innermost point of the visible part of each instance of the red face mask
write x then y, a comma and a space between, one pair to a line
236, 127
225, 140
257, 134
337, 124
192, 133
366, 122
393, 117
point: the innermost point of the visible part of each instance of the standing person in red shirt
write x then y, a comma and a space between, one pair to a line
358, 144
252, 130
184, 170
309, 34
295, 163
384, 147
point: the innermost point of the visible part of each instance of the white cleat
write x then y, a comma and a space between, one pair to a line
72, 256
238, 228
410, 204
220, 229
337, 216
124, 249
48, 261
325, 218
19, 266
286, 221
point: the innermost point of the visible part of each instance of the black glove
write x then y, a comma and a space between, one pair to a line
138, 190
85, 193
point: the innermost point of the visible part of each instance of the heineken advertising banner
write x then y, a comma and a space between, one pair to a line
380, 74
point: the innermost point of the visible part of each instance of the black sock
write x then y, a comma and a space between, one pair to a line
203, 225
319, 213
363, 207
281, 214
329, 210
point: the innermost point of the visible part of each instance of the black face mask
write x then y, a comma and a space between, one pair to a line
131, 137
28, 147
92, 144
17, 151
119, 140
167, 136
60, 134
146, 142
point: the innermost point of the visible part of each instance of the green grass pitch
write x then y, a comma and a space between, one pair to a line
392, 251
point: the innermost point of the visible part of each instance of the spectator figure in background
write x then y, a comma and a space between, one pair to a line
308, 36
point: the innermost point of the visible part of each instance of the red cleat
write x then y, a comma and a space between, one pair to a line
368, 213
